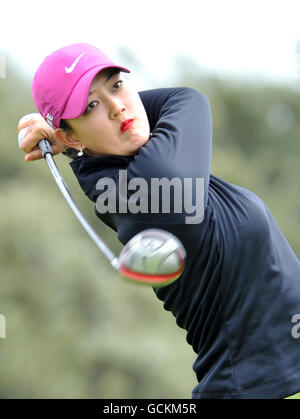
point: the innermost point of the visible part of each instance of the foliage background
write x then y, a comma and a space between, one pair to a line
74, 329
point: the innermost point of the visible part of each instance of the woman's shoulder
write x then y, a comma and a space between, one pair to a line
165, 93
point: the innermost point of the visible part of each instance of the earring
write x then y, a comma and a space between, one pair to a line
80, 153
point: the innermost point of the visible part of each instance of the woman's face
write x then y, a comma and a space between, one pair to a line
112, 101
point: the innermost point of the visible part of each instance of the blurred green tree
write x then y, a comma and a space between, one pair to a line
74, 329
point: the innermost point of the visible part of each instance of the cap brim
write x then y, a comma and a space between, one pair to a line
78, 100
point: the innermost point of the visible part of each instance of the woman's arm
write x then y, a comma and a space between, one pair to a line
181, 124
38, 130
181, 142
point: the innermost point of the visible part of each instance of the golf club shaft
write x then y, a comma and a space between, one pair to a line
47, 154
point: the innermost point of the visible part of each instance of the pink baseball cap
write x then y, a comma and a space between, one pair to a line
62, 82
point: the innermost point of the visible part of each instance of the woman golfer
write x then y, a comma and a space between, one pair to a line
240, 289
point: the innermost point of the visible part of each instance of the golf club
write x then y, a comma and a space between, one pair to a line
154, 257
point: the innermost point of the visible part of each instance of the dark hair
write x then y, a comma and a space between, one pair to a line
64, 125
112, 70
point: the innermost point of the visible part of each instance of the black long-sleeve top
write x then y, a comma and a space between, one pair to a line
241, 285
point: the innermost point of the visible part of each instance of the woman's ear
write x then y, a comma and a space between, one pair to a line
67, 138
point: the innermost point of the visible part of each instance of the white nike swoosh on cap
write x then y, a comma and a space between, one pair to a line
70, 69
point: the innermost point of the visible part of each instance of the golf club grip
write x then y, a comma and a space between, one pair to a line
45, 147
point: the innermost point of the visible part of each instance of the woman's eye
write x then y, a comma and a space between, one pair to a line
91, 105
118, 84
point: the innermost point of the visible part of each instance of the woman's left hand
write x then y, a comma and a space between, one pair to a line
38, 129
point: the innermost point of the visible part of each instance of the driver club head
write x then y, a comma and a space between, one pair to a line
153, 257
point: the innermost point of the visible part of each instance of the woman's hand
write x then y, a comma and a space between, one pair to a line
38, 129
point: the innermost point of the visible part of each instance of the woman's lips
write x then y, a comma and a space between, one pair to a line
126, 125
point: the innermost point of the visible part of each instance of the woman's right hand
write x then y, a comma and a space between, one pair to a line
38, 130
